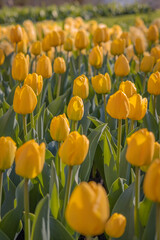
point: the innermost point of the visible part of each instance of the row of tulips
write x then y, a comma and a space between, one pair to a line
49, 80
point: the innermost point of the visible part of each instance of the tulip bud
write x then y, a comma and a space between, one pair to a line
116, 225
138, 107
55, 39
126, 37
81, 40
155, 52
153, 86
68, 44
46, 43
128, 88
157, 66
22, 46
153, 33
139, 45
147, 64
101, 34
2, 57
19, 67
62, 36
59, 128
140, 148
35, 82
25, 100
75, 109
96, 57
44, 67
118, 105
88, 209
16, 34
36, 48
118, 46
151, 183
59, 65
121, 66
101, 83
81, 87
8, 150
30, 159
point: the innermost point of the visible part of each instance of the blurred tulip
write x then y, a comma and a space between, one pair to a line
81, 87
55, 39
59, 128
121, 66
138, 107
68, 44
140, 148
157, 66
59, 65
75, 109
153, 33
128, 88
101, 83
36, 48
46, 43
155, 52
139, 45
101, 34
126, 37
147, 64
35, 81
2, 56
20, 67
154, 84
22, 46
16, 34
81, 40
30, 159
24, 100
96, 57
116, 225
62, 36
88, 209
44, 67
118, 46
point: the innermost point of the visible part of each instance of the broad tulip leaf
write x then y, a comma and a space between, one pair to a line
150, 123
144, 211
3, 236
150, 229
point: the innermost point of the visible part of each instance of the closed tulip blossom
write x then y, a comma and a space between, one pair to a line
88, 209
96, 57
16, 34
128, 88
36, 48
121, 66
46, 43
139, 45
22, 46
2, 56
155, 52
147, 64
116, 225
19, 67
59, 65
68, 44
55, 39
101, 83
81, 87
35, 81
118, 46
153, 33
154, 84
101, 34
138, 107
44, 67
75, 109
81, 40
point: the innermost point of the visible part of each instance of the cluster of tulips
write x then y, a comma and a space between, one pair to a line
82, 69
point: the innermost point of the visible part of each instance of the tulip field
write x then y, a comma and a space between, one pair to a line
79, 130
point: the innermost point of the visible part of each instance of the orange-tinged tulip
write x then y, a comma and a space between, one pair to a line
139, 45
68, 44
59, 128
153, 33
81, 87
36, 48
153, 86
30, 159
101, 83
138, 107
140, 148
121, 66
75, 109
35, 81
116, 225
96, 57
118, 105
22, 46
20, 67
55, 39
62, 36
8, 150
24, 100
16, 34
59, 65
126, 37
74, 149
46, 43
101, 34
81, 40
44, 67
147, 64
155, 52
128, 88
88, 209
118, 46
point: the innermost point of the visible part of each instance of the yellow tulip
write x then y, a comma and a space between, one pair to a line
24, 100
8, 150
68, 44
81, 87
88, 209
140, 148
59, 65
128, 88
155, 52
118, 46
101, 83
22, 46
46, 43
139, 45
20, 67
2, 56
147, 64
74, 149
75, 109
126, 37
62, 36
30, 159
118, 105
116, 225
81, 40
153, 33
36, 48
35, 81
153, 86
55, 39
138, 107
157, 66
16, 34
101, 34
96, 57
44, 67
156, 150
59, 128
121, 66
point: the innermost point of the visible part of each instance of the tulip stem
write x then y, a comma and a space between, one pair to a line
24, 125
35, 60
88, 238
80, 62
119, 143
154, 105
144, 83
26, 208
74, 125
126, 125
59, 85
32, 120
105, 112
55, 52
132, 125
68, 189
67, 57
137, 197
157, 221
1, 184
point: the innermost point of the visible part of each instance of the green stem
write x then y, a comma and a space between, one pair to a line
157, 221
35, 59
132, 125
1, 184
126, 125
67, 57
144, 83
32, 120
80, 61
55, 53
88, 238
16, 50
154, 105
24, 125
39, 98
68, 189
74, 125
26, 208
59, 85
105, 112
137, 197
119, 143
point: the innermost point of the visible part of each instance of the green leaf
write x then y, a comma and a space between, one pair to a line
40, 228
3, 236
149, 232
150, 123
144, 211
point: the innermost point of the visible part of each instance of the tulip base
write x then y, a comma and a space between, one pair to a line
157, 221
26, 208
